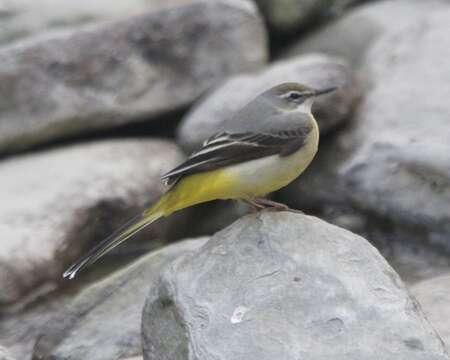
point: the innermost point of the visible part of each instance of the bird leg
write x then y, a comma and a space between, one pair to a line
270, 204
254, 206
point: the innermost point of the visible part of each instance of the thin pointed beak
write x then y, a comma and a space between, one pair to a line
324, 91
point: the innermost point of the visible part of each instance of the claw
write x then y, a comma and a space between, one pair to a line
276, 206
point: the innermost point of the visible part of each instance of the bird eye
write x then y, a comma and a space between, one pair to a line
294, 95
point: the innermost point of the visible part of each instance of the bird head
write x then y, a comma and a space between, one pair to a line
294, 96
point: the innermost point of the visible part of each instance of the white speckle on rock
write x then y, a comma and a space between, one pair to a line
238, 314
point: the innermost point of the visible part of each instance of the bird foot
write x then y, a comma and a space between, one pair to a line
253, 205
269, 205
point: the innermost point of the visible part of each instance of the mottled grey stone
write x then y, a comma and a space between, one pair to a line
284, 286
57, 203
352, 35
215, 112
131, 70
391, 166
18, 329
103, 321
434, 297
23, 18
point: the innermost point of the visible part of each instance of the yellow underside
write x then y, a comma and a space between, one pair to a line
228, 183
199, 188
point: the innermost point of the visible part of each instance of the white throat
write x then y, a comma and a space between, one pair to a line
305, 107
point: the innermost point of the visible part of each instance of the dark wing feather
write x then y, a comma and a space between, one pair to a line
226, 149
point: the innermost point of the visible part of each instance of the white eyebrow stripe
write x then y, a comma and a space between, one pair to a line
286, 95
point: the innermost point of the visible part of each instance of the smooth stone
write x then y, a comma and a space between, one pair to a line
132, 70
352, 35
284, 286
57, 203
103, 321
390, 166
434, 297
20, 19
4, 354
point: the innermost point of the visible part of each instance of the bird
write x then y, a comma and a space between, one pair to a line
275, 140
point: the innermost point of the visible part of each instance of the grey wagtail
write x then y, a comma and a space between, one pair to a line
277, 140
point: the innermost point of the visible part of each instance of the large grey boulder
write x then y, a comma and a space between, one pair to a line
131, 70
392, 164
434, 297
215, 112
285, 16
57, 203
20, 19
103, 321
352, 35
285, 286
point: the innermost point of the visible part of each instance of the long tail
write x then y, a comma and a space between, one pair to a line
126, 231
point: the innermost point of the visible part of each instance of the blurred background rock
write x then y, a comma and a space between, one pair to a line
99, 98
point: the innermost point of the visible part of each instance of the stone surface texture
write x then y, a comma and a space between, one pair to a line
103, 321
20, 19
57, 203
352, 35
285, 286
4, 354
392, 162
434, 297
135, 69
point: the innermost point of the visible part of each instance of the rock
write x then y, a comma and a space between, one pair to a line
214, 113
284, 286
351, 36
107, 315
23, 18
213, 216
20, 19
4, 354
18, 329
285, 16
131, 70
391, 165
434, 296
57, 203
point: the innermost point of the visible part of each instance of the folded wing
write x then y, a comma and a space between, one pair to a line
227, 149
